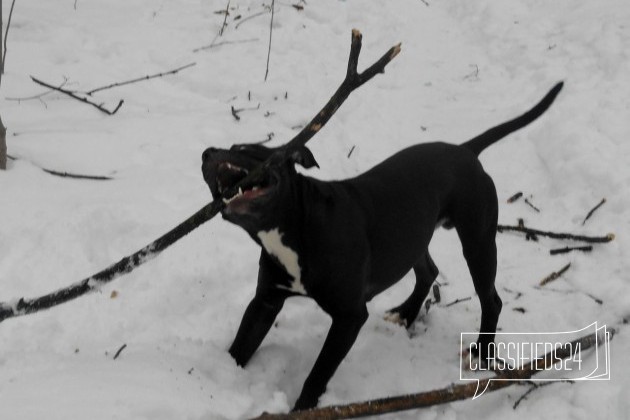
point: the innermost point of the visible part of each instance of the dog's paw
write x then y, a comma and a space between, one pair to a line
395, 318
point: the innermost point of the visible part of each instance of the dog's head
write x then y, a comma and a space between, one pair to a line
255, 204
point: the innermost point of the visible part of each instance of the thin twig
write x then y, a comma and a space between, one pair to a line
250, 17
267, 140
515, 197
567, 249
227, 12
218, 44
529, 203
456, 301
38, 96
235, 111
528, 236
572, 291
553, 276
590, 213
77, 176
139, 79
273, 2
79, 98
124, 346
554, 235
6, 35
66, 174
235, 114
351, 150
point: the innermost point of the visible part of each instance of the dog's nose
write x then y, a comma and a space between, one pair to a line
207, 154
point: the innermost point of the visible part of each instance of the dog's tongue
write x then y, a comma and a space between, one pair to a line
240, 204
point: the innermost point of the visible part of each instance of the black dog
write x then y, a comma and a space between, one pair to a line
343, 242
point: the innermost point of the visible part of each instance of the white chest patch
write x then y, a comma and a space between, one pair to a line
272, 242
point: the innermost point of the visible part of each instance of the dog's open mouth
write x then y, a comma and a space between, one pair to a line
228, 175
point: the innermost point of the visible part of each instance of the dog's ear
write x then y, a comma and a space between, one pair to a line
304, 157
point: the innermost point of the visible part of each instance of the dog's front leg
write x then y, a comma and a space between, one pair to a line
257, 320
261, 311
341, 336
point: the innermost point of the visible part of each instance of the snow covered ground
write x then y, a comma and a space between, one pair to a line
465, 66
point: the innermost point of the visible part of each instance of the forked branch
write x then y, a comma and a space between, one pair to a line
352, 81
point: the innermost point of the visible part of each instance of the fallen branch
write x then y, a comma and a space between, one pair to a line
77, 176
590, 213
514, 197
227, 13
445, 395
529, 203
554, 235
567, 249
140, 79
571, 291
38, 96
22, 306
3, 146
235, 111
352, 81
218, 44
79, 98
124, 346
456, 301
528, 236
67, 174
251, 17
350, 152
553, 276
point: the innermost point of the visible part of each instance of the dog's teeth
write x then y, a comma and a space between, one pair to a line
240, 191
255, 189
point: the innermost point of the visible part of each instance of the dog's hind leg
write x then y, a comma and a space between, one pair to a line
406, 313
477, 235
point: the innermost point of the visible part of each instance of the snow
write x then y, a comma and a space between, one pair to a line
465, 66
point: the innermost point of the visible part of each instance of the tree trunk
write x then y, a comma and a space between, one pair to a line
3, 130
3, 146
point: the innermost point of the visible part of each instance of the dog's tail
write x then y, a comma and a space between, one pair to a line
479, 143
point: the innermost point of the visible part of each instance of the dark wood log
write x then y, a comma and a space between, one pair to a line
451, 393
